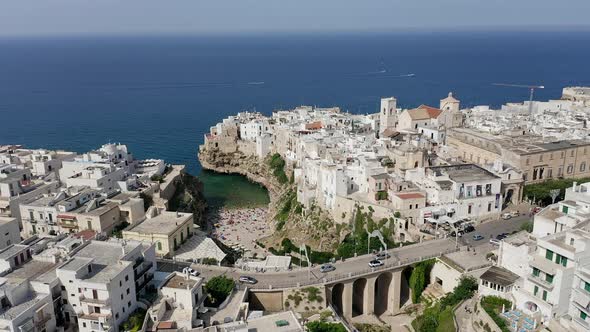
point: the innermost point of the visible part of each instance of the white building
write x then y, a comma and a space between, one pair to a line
459, 191
100, 282
9, 232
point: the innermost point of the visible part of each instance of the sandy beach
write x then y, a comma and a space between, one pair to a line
240, 228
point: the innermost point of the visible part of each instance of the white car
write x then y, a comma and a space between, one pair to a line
375, 263
495, 242
515, 213
506, 216
190, 271
248, 280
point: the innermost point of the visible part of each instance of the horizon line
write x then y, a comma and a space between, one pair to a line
316, 33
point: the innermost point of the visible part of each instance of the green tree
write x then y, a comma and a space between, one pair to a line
419, 278
319, 326
218, 289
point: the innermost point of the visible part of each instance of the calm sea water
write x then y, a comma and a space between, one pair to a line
160, 95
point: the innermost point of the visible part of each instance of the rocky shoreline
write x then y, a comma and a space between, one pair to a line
252, 168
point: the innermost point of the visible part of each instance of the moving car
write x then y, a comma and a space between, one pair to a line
248, 280
190, 271
506, 216
477, 237
327, 268
495, 242
375, 263
382, 255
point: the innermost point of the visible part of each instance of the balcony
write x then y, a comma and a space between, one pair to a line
96, 302
103, 318
148, 277
67, 225
541, 282
146, 268
40, 322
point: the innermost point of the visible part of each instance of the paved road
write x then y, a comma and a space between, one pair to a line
358, 265
344, 269
493, 229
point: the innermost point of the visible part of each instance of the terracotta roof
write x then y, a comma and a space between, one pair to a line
87, 234
166, 325
410, 195
314, 125
424, 112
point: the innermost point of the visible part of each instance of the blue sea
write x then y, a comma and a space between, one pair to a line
159, 95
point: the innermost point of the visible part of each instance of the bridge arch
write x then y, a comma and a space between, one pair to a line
336, 297
358, 296
405, 293
381, 293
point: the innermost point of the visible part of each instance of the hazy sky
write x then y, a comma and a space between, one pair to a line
65, 17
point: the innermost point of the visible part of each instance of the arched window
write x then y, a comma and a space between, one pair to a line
159, 244
583, 166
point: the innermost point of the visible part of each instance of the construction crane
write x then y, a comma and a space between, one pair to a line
531, 87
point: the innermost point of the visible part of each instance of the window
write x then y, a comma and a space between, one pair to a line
489, 207
469, 209
121, 296
63, 287
84, 324
572, 241
549, 255
127, 290
535, 290
587, 286
570, 168
129, 304
583, 315
583, 167
549, 278
64, 301
126, 278
536, 272
544, 295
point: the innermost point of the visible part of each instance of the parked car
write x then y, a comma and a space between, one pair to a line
477, 237
325, 268
495, 242
375, 263
459, 234
190, 271
382, 255
515, 213
506, 216
501, 236
248, 280
469, 229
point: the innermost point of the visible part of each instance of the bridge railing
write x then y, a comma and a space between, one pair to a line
389, 264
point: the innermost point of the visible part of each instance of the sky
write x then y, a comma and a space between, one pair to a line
206, 17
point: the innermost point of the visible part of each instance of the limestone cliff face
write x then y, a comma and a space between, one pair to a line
314, 228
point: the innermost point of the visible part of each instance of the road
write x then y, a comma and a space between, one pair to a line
344, 269
493, 229
358, 265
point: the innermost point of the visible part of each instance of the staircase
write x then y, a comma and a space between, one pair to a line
433, 292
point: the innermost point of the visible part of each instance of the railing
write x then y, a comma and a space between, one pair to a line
352, 275
144, 270
90, 300
146, 280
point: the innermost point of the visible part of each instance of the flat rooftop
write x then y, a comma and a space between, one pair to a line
181, 282
164, 223
499, 276
464, 172
465, 260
